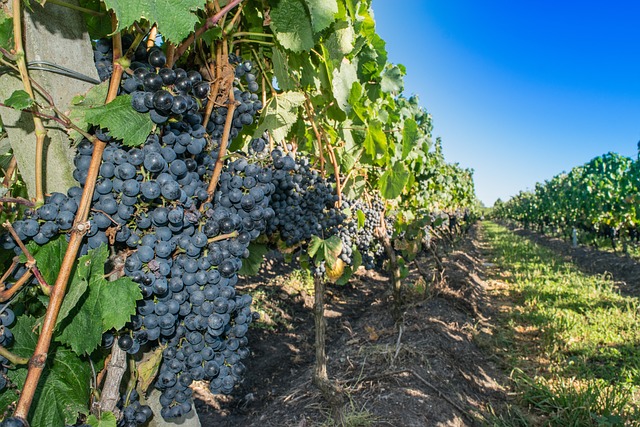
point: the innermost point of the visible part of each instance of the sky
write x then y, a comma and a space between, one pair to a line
520, 90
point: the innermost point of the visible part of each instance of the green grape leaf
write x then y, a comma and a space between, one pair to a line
77, 289
341, 41
251, 265
344, 79
65, 393
19, 100
212, 35
327, 250
107, 419
175, 18
281, 70
323, 13
361, 219
392, 80
375, 141
98, 26
410, 137
393, 181
80, 105
48, 257
332, 248
108, 304
315, 244
279, 115
122, 120
6, 30
292, 26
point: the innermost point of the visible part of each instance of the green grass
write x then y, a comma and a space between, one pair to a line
575, 338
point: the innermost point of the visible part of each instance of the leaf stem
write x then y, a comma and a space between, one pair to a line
18, 200
223, 237
260, 42
31, 261
257, 58
250, 34
76, 7
6, 294
13, 358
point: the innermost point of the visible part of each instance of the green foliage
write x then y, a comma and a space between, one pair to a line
107, 419
599, 197
326, 250
251, 265
81, 105
48, 257
103, 306
292, 25
122, 120
65, 393
335, 98
280, 114
20, 100
175, 19
6, 30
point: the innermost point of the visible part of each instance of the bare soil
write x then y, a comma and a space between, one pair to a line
427, 370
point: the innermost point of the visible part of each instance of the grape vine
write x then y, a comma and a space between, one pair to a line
215, 134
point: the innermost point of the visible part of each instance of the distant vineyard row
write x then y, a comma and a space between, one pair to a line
598, 199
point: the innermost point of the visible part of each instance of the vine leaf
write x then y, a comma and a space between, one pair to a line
327, 250
393, 181
281, 70
107, 304
148, 368
251, 265
279, 115
323, 13
375, 141
6, 30
122, 120
410, 136
65, 394
175, 18
107, 419
81, 104
392, 79
20, 100
344, 79
361, 219
48, 257
341, 40
292, 26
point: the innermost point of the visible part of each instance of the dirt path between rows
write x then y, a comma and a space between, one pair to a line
623, 269
433, 371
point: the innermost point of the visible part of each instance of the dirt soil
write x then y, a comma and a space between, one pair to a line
427, 371
622, 268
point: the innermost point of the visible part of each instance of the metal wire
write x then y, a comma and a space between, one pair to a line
56, 69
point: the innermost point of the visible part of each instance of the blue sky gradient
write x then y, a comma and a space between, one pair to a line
520, 91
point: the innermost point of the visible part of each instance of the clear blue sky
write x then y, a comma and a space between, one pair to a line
520, 90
